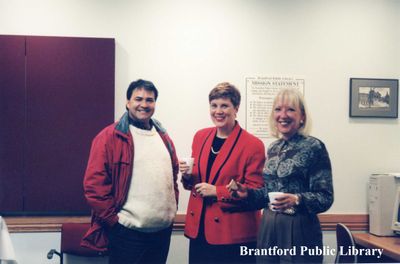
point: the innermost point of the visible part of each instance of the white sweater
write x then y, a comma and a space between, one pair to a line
151, 204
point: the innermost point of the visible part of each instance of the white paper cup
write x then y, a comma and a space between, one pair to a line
189, 162
272, 196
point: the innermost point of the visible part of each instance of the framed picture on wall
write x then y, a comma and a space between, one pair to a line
374, 97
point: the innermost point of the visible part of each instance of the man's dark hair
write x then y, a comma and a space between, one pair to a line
139, 84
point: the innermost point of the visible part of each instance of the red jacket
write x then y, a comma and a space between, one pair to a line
241, 158
108, 175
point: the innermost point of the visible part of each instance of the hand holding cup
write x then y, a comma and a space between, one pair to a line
186, 166
273, 196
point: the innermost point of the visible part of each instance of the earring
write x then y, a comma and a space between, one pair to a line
301, 122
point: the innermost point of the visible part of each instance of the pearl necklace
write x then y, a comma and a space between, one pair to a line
213, 151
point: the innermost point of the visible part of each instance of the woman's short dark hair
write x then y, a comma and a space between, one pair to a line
138, 84
227, 91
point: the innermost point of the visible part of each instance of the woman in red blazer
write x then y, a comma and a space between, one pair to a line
214, 223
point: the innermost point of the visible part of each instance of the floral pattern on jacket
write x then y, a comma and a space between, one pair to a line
300, 165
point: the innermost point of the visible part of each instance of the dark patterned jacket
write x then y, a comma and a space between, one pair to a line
300, 165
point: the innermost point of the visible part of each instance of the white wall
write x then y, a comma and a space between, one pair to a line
186, 47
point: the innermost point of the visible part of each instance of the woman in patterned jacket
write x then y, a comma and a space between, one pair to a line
298, 165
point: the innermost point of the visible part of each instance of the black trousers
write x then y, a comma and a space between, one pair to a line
129, 246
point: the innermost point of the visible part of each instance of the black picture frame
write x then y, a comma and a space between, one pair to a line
374, 97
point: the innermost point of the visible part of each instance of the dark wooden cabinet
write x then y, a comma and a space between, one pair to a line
12, 121
57, 93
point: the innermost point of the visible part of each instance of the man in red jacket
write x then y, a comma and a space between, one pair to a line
131, 184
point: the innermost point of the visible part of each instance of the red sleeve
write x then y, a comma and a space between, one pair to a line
175, 169
97, 182
252, 178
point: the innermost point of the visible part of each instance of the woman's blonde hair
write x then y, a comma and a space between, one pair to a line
295, 99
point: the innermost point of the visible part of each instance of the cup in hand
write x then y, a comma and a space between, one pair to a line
272, 196
189, 162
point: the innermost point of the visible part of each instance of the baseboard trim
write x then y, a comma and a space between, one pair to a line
24, 224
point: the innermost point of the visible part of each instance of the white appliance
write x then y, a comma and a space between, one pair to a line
382, 191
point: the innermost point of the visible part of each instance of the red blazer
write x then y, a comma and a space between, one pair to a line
241, 158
